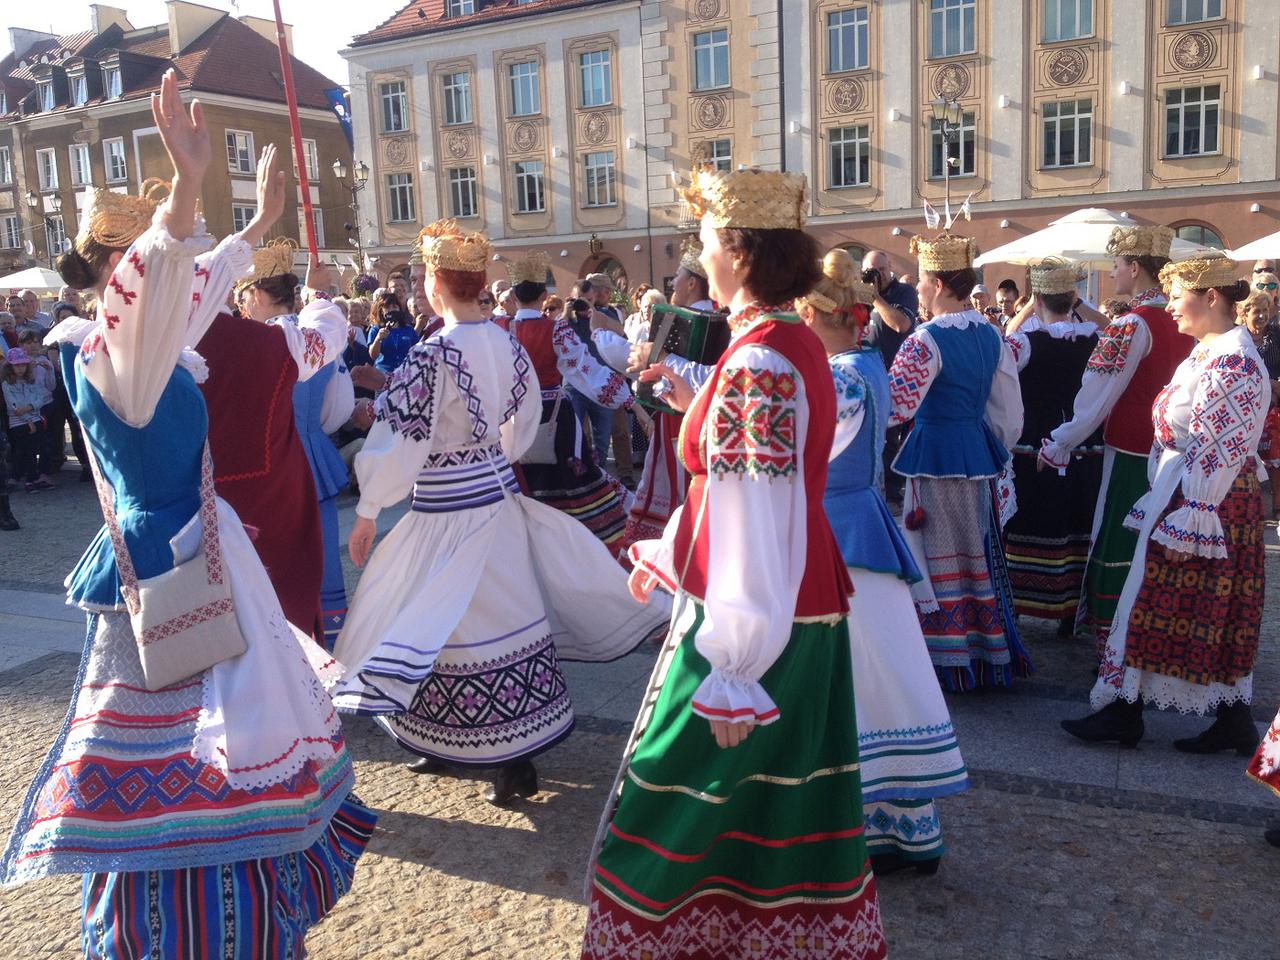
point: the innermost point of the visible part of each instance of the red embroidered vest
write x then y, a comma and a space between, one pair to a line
535, 336
826, 587
1129, 423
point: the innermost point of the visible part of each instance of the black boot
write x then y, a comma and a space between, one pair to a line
1272, 836
429, 765
1119, 720
515, 779
7, 521
1232, 730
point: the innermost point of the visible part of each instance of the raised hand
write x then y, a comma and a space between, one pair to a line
185, 137
270, 197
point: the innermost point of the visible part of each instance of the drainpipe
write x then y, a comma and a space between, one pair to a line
782, 92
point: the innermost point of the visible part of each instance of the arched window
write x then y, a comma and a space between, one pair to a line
1201, 234
855, 250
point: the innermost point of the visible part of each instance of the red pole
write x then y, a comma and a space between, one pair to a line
291, 97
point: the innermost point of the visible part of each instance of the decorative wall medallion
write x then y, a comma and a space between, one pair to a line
1066, 67
524, 136
706, 9
457, 143
710, 112
845, 96
595, 128
398, 151
1194, 50
951, 81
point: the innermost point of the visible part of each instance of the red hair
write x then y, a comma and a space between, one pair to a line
462, 284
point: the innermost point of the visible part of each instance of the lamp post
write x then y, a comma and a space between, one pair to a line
360, 176
948, 115
33, 201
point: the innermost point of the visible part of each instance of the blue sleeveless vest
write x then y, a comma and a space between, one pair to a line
327, 466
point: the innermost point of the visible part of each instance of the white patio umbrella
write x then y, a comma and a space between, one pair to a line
1264, 248
1081, 236
38, 279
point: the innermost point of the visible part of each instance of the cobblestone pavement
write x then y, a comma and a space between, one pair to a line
1060, 850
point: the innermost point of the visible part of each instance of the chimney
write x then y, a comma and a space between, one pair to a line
267, 28
101, 17
20, 40
187, 21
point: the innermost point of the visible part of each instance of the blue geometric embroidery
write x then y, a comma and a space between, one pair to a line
407, 404
520, 378
466, 383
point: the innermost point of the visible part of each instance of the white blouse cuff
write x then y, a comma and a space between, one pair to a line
367, 509
654, 558
199, 242
1054, 455
1193, 528
724, 697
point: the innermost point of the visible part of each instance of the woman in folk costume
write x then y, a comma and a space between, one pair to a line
1186, 628
322, 403
559, 468
209, 811
1135, 357
958, 378
1047, 539
750, 840
906, 741
448, 642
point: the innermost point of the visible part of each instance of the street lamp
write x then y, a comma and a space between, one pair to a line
948, 115
359, 179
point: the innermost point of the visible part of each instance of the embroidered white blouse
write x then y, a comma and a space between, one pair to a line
579, 368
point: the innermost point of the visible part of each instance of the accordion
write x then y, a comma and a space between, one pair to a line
692, 334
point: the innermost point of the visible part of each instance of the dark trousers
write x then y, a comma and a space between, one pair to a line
601, 420
894, 483
27, 452
59, 417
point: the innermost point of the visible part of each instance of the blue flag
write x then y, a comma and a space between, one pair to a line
337, 98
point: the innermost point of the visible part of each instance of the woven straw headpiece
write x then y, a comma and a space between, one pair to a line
747, 199
944, 253
820, 301
446, 246
274, 258
1056, 275
690, 254
863, 293
531, 268
1201, 273
1140, 242
415, 258
117, 219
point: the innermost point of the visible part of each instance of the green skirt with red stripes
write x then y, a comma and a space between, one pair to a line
1114, 544
755, 851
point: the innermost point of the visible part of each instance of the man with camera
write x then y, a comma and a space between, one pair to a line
895, 314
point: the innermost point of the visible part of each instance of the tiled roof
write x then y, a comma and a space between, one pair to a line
71, 45
422, 17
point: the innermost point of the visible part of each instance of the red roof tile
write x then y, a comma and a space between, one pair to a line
422, 17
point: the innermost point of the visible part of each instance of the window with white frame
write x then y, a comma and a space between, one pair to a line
847, 40
530, 192
55, 233
395, 106
459, 8
81, 173
79, 84
312, 157
1191, 119
44, 95
113, 155
457, 97
523, 80
952, 27
1193, 11
6, 165
462, 192
112, 87
596, 68
47, 169
400, 205
240, 157
10, 233
4, 102
1067, 129
317, 221
242, 215
1067, 20
719, 154
850, 156
962, 150
601, 178
710, 59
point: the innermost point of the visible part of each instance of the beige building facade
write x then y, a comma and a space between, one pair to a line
1166, 109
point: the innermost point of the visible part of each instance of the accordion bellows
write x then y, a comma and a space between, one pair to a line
944, 253
1140, 242
747, 199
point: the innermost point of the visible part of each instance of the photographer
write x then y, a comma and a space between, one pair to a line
896, 306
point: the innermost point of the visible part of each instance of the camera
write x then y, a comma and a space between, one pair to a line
992, 311
579, 306
871, 275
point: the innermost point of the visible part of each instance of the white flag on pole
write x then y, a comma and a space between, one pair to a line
931, 216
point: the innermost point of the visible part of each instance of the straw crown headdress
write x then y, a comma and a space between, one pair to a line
1140, 242
690, 257
1201, 273
531, 268
446, 246
747, 199
117, 219
1056, 275
274, 258
944, 253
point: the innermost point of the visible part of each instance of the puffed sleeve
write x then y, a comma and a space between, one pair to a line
756, 516
1004, 403
697, 374
216, 272
145, 312
523, 414
851, 406
1120, 348
339, 399
915, 367
584, 373
1020, 346
318, 337
402, 434
1228, 406
615, 350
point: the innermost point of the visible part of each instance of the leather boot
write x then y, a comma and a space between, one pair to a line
7, 520
1232, 730
429, 765
513, 780
1119, 720
1272, 836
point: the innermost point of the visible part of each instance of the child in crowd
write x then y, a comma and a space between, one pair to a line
23, 397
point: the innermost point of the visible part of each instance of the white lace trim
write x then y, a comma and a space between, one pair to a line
958, 320
194, 364
1171, 693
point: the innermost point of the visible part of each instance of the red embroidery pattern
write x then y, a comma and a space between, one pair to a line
909, 375
313, 348
128, 296
753, 424
748, 315
136, 262
1224, 420
1114, 344
112, 320
185, 621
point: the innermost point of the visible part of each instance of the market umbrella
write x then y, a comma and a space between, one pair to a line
1081, 236
1264, 248
38, 279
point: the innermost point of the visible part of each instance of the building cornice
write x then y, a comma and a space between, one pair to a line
131, 105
